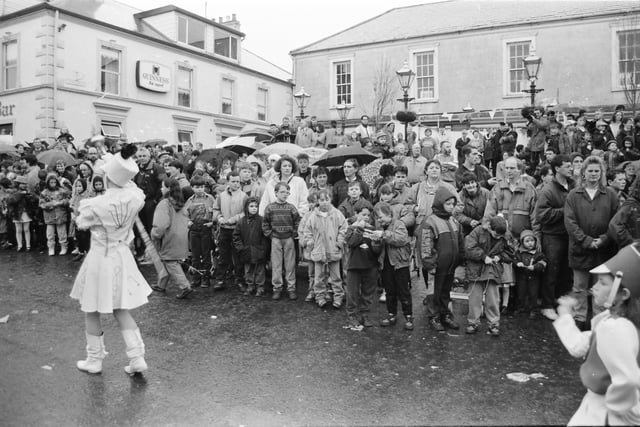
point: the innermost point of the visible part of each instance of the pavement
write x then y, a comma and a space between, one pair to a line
224, 359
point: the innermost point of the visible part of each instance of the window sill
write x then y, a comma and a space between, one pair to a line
425, 101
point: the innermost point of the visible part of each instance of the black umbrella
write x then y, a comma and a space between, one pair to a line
337, 156
215, 156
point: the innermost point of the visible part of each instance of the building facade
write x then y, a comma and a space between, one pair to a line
99, 66
469, 54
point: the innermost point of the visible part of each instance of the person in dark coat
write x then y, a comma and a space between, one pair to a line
252, 247
624, 227
587, 213
549, 212
473, 201
530, 264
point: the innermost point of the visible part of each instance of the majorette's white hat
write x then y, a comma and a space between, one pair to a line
121, 168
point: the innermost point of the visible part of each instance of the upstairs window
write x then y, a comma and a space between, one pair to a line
343, 78
261, 105
110, 70
425, 75
226, 46
629, 58
185, 88
517, 75
191, 31
10, 64
227, 96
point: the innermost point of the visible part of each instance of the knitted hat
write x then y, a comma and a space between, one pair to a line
121, 168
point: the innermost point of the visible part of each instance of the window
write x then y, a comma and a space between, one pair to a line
227, 96
10, 64
185, 136
425, 75
342, 73
111, 129
191, 31
110, 70
263, 97
184, 83
517, 75
227, 46
629, 58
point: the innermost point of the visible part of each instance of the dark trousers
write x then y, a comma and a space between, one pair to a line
361, 288
535, 159
557, 276
528, 284
200, 242
228, 258
396, 285
83, 240
146, 217
438, 305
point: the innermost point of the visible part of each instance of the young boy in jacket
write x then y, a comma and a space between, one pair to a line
280, 224
323, 236
228, 208
486, 248
199, 207
395, 256
530, 264
440, 244
252, 247
362, 269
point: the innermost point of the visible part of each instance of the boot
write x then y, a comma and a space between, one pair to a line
52, 250
95, 353
63, 249
135, 351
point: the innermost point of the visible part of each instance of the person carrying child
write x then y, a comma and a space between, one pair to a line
486, 248
610, 350
395, 256
280, 224
22, 207
530, 264
323, 236
440, 245
362, 269
199, 208
252, 247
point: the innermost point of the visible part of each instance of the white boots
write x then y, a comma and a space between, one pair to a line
135, 351
96, 352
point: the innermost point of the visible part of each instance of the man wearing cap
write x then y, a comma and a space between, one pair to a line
610, 370
109, 280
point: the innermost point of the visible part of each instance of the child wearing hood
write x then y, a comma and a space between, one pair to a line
530, 264
440, 244
54, 201
98, 185
252, 247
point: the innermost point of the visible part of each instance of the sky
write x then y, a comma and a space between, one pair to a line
273, 28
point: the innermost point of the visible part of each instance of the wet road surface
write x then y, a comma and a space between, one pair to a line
260, 362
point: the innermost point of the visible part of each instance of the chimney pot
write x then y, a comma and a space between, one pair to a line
233, 16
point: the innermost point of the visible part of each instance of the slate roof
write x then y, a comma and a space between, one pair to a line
456, 16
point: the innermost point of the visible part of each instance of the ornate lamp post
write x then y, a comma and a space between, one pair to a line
405, 77
302, 99
532, 65
343, 113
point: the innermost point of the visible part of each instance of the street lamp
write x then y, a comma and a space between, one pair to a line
405, 77
532, 65
343, 113
302, 98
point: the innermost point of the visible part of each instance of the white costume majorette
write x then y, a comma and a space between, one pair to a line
109, 280
611, 350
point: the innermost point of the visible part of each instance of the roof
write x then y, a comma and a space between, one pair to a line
258, 63
172, 8
454, 16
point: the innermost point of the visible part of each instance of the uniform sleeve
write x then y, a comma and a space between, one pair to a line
617, 346
575, 341
86, 215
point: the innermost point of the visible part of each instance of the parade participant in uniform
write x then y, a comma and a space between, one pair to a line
610, 371
109, 280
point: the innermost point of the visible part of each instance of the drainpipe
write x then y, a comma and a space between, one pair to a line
55, 79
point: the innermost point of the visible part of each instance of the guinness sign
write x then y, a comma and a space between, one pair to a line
153, 76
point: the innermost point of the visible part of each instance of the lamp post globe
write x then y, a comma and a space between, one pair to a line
532, 64
405, 77
343, 113
302, 99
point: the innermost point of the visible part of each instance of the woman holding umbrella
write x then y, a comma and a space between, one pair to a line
285, 170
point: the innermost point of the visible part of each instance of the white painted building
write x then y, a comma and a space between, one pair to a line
100, 66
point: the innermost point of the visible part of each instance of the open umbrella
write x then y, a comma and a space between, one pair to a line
216, 155
51, 157
282, 148
337, 156
241, 144
260, 134
314, 153
9, 150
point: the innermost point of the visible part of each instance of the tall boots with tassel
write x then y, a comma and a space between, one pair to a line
95, 353
135, 351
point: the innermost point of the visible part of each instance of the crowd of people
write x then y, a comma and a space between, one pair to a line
517, 225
